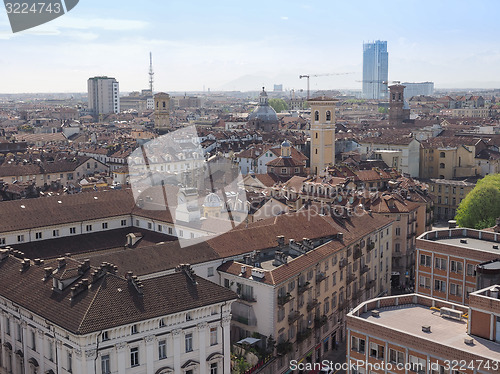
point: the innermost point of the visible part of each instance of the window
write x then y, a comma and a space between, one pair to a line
88, 227
181, 233
281, 314
50, 350
105, 336
398, 231
104, 225
133, 329
2, 241
162, 349
70, 176
105, 367
417, 364
396, 357
326, 306
213, 368
38, 235
425, 260
442, 155
441, 165
377, 351
170, 231
150, 226
226, 283
123, 222
134, 356
328, 115
72, 230
20, 238
397, 247
358, 344
55, 233
213, 335
160, 228
425, 282
440, 263
161, 323
189, 317
316, 116
137, 223
7, 326
188, 340
33, 341
455, 289
70, 362
210, 271
439, 285
334, 278
456, 266
471, 271
19, 333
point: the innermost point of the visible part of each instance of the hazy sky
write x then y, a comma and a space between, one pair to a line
246, 44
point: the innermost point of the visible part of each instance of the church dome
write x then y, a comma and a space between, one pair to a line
212, 200
264, 111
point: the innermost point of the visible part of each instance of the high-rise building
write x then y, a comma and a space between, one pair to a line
103, 95
322, 134
375, 70
417, 89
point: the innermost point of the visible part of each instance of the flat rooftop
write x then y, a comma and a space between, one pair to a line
483, 245
410, 318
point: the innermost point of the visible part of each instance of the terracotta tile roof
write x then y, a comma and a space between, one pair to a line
285, 162
109, 302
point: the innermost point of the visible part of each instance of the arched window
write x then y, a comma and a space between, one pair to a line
441, 165
442, 155
316, 116
164, 104
328, 115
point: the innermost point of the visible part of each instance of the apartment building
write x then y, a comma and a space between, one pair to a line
449, 157
299, 293
420, 334
103, 95
66, 316
448, 260
64, 171
400, 152
448, 193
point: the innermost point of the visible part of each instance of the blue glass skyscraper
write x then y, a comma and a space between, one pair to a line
375, 70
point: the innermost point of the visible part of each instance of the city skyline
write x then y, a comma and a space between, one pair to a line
220, 45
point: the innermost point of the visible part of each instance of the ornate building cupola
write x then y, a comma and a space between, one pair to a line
286, 149
264, 101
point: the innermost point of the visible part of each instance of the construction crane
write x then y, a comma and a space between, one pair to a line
308, 76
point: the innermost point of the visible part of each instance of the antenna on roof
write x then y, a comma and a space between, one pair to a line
151, 73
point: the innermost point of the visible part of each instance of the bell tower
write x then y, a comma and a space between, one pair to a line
397, 111
162, 111
322, 134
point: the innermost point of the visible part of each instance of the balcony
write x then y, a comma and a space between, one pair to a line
342, 263
303, 335
284, 348
282, 300
363, 269
312, 304
293, 316
244, 320
248, 298
320, 277
370, 284
303, 288
320, 321
343, 304
349, 278
356, 294
357, 253
370, 246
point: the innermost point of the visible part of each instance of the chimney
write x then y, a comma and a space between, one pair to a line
281, 240
4, 253
26, 264
243, 269
61, 262
48, 272
452, 224
340, 236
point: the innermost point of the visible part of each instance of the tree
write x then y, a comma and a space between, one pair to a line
278, 105
383, 110
481, 206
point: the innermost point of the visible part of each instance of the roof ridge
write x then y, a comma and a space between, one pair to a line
92, 302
